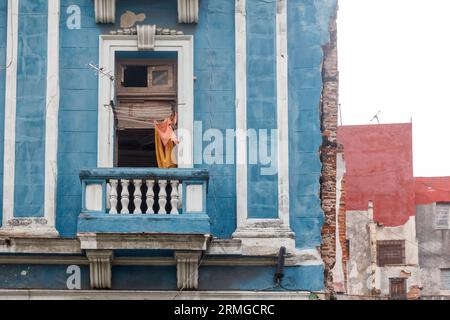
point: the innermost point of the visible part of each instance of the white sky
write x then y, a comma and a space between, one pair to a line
394, 56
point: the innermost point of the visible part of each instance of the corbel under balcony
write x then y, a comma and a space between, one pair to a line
105, 11
100, 268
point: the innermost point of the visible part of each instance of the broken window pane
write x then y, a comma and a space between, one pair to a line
160, 78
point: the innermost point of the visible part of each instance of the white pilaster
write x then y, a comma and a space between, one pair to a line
51, 115
10, 111
241, 112
31, 227
282, 112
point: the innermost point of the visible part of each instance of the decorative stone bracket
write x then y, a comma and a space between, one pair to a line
100, 268
105, 11
187, 269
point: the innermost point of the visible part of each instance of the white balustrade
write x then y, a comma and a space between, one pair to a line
113, 196
162, 196
125, 196
149, 196
137, 196
174, 196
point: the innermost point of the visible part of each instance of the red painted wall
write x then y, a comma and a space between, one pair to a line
430, 190
379, 167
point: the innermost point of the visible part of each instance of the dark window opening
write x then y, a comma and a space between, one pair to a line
390, 252
135, 76
136, 148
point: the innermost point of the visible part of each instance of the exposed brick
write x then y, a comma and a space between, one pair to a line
329, 149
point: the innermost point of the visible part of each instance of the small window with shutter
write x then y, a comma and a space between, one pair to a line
391, 252
442, 218
445, 279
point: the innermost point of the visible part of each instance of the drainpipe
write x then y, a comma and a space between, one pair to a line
371, 226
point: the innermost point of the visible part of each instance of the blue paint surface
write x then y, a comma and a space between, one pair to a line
3, 66
144, 277
308, 23
214, 106
261, 101
39, 276
302, 278
214, 99
30, 109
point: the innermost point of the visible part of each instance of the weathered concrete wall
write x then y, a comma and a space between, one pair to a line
359, 280
340, 268
434, 250
359, 253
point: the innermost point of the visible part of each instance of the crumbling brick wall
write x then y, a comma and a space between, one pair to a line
343, 226
329, 149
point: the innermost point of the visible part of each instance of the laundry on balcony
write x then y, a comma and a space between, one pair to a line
165, 141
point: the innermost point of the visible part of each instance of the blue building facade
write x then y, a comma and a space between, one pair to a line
247, 79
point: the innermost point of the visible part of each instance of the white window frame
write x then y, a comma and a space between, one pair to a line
183, 45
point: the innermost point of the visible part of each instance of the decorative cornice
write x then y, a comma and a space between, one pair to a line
105, 11
188, 11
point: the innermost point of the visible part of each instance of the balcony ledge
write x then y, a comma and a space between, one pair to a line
144, 223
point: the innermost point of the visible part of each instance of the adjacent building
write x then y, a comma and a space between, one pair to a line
90, 195
433, 234
382, 247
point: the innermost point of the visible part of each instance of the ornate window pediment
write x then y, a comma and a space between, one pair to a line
105, 11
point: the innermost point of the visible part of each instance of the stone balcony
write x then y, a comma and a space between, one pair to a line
144, 208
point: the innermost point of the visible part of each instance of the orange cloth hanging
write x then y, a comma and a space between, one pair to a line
165, 140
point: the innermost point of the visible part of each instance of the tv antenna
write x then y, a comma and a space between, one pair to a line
375, 117
100, 71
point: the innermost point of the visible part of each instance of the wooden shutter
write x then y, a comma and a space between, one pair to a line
445, 279
442, 220
397, 288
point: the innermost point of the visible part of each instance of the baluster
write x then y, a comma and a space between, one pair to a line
180, 195
162, 196
137, 196
174, 196
113, 196
125, 196
150, 196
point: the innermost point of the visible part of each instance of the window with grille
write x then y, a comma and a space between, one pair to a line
390, 252
445, 279
397, 288
442, 219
